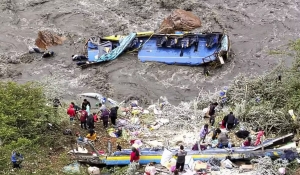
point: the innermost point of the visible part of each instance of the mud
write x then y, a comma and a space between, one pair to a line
256, 27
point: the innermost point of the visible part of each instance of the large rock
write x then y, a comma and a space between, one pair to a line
180, 20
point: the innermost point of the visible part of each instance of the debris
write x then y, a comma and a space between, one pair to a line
246, 168
79, 150
200, 166
289, 155
93, 170
265, 165
72, 168
281, 171
227, 164
150, 169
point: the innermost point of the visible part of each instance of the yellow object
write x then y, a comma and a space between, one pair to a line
92, 138
107, 49
139, 34
135, 112
118, 37
291, 112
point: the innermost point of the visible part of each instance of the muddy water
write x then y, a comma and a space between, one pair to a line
256, 27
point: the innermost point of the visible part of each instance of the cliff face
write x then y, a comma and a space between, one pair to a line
255, 27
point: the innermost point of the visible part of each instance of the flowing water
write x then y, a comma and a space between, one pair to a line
256, 29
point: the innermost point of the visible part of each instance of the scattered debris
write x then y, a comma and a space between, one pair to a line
72, 168
93, 170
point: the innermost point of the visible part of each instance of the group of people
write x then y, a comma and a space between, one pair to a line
228, 122
223, 139
87, 119
135, 157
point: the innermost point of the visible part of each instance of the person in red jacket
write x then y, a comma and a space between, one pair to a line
83, 116
71, 112
134, 155
247, 142
95, 117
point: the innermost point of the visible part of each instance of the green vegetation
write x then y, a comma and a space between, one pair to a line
24, 116
265, 100
276, 52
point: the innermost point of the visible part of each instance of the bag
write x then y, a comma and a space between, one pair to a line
94, 171
67, 132
151, 170
166, 156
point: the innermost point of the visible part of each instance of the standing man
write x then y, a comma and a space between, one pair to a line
203, 133
211, 113
84, 104
113, 115
83, 118
180, 158
90, 121
56, 104
104, 117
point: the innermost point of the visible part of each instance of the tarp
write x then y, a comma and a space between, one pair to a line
180, 20
46, 39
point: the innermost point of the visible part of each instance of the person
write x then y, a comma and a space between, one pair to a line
77, 108
247, 142
71, 112
85, 103
196, 148
79, 57
119, 148
90, 121
79, 137
180, 158
16, 159
211, 113
83, 117
101, 106
222, 139
216, 134
48, 54
113, 115
91, 135
104, 117
259, 136
203, 132
230, 121
134, 155
95, 116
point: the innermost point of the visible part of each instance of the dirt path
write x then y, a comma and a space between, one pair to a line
256, 27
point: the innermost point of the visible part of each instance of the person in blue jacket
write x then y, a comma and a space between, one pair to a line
16, 159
